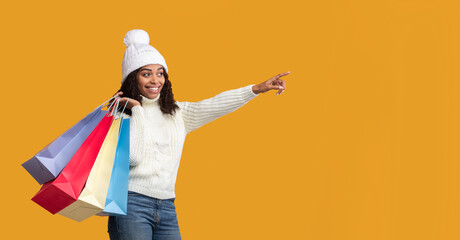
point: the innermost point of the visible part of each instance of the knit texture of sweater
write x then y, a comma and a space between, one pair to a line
157, 139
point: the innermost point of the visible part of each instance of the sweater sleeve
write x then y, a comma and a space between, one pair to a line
136, 136
197, 114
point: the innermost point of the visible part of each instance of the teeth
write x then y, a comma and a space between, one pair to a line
153, 89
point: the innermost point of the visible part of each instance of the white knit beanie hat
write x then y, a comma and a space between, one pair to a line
139, 53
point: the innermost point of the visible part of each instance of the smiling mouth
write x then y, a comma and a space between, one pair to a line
153, 90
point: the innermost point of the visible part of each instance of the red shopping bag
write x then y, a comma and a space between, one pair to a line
65, 189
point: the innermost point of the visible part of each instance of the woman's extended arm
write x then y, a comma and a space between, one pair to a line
197, 114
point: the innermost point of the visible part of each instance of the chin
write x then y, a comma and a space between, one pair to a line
151, 96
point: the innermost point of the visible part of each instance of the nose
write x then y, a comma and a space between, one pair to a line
155, 79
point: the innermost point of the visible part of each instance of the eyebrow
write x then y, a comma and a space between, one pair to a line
148, 69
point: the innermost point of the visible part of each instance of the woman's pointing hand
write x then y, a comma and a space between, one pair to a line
274, 83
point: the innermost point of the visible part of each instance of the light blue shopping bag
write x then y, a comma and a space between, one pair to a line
117, 196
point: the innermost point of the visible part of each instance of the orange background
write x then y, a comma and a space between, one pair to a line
364, 143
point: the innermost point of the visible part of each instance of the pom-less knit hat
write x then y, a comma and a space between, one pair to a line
139, 53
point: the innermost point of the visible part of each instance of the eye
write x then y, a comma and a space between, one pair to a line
160, 74
146, 74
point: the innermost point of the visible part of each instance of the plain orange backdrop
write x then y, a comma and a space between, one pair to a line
363, 144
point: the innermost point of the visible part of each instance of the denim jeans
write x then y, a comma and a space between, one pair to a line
147, 218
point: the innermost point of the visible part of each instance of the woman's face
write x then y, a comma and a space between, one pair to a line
150, 80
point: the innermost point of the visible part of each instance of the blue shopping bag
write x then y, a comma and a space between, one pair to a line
49, 162
117, 196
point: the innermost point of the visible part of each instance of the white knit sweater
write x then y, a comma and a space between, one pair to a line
157, 139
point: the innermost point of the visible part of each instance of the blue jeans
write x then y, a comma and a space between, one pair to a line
147, 218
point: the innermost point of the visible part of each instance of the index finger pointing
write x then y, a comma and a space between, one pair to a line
282, 74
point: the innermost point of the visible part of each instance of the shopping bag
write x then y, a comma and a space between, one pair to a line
49, 162
92, 198
117, 196
65, 189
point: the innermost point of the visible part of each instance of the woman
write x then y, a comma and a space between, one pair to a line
158, 126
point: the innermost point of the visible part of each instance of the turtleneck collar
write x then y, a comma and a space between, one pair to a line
147, 101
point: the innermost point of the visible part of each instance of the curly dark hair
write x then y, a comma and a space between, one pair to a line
129, 88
